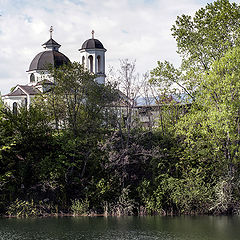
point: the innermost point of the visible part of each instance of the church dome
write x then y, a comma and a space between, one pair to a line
44, 59
92, 44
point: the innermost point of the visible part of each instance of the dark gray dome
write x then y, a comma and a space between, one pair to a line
92, 44
44, 59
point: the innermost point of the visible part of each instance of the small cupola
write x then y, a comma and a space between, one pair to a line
51, 44
92, 43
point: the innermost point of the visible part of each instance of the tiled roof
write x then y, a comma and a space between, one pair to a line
23, 90
17, 92
29, 89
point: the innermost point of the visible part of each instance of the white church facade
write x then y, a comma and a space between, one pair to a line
92, 56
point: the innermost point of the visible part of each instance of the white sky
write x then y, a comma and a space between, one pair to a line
133, 29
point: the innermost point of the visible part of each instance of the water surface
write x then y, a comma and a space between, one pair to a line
121, 228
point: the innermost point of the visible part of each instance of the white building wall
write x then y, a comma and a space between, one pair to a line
94, 53
23, 100
39, 75
20, 100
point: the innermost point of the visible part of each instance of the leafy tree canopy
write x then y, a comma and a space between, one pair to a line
77, 102
201, 40
207, 35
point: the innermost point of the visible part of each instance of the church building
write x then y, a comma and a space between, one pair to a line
92, 56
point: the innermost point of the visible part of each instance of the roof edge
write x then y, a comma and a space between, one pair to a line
104, 49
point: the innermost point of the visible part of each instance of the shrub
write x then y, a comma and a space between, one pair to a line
80, 206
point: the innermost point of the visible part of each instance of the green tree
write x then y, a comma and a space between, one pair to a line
78, 100
201, 40
23, 138
208, 133
81, 110
211, 129
208, 35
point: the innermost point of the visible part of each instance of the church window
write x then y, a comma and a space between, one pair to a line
32, 78
98, 64
83, 60
91, 63
15, 108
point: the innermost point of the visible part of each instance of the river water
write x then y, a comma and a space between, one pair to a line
122, 228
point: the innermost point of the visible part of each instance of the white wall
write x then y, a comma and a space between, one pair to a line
95, 53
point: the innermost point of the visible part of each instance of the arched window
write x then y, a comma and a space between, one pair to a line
15, 108
32, 78
98, 64
91, 63
83, 60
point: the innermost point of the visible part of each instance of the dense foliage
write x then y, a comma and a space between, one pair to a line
208, 79
76, 151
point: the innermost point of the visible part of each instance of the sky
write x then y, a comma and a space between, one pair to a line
129, 29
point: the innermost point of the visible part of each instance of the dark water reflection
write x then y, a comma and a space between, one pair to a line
122, 228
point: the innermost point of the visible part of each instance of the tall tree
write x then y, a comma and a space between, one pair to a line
211, 129
201, 40
77, 102
208, 79
208, 35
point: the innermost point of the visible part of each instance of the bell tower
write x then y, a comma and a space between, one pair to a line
92, 56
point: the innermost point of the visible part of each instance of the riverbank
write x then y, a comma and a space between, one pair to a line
94, 214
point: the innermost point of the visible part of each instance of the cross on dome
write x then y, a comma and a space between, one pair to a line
93, 34
51, 44
51, 31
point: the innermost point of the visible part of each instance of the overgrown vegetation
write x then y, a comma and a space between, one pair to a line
74, 151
